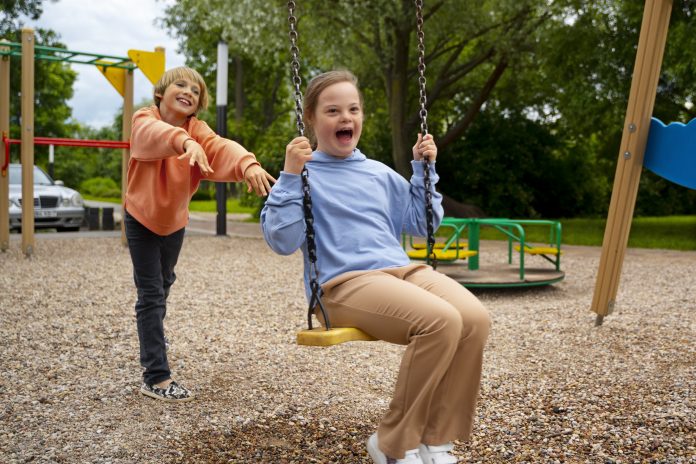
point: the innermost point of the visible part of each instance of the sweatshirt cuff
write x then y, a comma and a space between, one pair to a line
248, 160
177, 141
417, 166
248, 166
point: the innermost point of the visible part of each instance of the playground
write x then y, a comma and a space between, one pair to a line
560, 384
555, 387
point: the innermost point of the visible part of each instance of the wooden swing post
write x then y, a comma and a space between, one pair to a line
646, 72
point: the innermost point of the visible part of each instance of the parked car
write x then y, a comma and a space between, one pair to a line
55, 206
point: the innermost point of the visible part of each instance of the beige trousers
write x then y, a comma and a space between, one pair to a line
445, 328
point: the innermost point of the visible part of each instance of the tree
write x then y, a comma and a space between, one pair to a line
556, 74
12, 11
53, 88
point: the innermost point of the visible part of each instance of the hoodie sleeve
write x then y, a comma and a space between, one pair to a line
282, 217
414, 217
228, 159
153, 139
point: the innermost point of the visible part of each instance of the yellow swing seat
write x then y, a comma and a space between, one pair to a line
440, 245
551, 250
319, 336
442, 255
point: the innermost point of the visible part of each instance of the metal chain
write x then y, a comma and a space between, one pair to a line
315, 289
430, 257
295, 65
423, 113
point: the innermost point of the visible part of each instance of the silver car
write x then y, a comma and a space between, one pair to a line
55, 206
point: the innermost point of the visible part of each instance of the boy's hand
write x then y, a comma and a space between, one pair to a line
297, 153
425, 146
196, 155
258, 180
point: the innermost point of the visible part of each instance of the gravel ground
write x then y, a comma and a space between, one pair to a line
555, 389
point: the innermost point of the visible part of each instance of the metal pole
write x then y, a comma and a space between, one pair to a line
221, 102
27, 151
51, 156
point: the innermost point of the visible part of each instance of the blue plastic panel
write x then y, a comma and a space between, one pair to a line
671, 152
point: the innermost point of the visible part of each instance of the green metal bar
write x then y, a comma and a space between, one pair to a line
44, 52
474, 234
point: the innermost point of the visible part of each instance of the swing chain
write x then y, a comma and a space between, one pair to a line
421, 66
315, 289
295, 65
430, 257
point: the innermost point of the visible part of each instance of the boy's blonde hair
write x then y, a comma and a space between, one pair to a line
182, 72
315, 87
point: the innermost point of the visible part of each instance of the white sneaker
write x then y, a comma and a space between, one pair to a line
378, 457
437, 454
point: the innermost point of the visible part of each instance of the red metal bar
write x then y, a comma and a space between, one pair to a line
61, 142
72, 142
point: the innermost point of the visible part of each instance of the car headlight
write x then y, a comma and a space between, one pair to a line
74, 200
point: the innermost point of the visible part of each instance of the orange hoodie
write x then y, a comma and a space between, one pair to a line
160, 186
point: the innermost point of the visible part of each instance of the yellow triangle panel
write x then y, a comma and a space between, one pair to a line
150, 63
116, 76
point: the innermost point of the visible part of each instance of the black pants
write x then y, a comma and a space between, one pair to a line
154, 257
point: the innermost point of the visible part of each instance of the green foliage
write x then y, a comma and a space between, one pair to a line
75, 165
103, 187
53, 88
12, 10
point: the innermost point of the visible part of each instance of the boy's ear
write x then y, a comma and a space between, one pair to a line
158, 95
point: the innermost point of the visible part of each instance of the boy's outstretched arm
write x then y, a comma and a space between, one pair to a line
196, 155
153, 139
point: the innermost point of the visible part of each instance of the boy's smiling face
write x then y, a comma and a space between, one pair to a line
180, 100
337, 119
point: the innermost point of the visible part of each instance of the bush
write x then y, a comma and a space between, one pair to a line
102, 187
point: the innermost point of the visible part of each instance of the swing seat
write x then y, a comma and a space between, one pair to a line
448, 255
440, 246
321, 337
539, 250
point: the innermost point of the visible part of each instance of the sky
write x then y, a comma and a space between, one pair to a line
109, 27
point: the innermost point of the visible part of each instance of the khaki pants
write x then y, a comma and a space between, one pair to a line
445, 328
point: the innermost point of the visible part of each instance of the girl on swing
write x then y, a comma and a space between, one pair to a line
360, 209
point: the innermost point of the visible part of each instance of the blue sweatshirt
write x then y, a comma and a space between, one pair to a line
360, 208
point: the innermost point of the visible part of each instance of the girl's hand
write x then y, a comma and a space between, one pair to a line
425, 146
297, 153
196, 155
258, 180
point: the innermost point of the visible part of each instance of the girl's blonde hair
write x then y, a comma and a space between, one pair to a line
315, 87
182, 72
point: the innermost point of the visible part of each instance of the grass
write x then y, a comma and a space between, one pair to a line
666, 232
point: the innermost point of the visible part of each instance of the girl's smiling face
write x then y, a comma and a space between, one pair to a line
180, 100
337, 119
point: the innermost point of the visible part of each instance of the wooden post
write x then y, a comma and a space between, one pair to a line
4, 130
646, 71
126, 130
28, 141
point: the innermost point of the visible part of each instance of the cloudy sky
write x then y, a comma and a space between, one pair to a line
109, 27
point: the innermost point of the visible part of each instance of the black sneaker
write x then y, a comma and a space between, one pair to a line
173, 392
